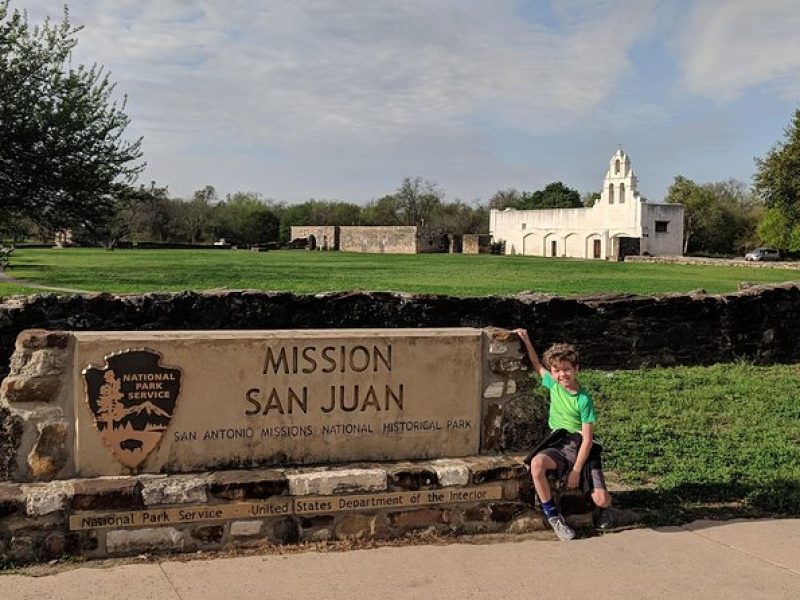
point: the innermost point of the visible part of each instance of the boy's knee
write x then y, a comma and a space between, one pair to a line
538, 466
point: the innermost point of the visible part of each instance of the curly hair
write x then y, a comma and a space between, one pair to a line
561, 353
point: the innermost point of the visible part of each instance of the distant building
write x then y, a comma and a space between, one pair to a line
619, 224
401, 239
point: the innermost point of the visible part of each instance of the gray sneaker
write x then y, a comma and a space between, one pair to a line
559, 525
604, 519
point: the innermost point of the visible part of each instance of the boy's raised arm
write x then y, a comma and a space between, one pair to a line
534, 358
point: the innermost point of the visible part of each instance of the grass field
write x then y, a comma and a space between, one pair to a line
727, 433
311, 272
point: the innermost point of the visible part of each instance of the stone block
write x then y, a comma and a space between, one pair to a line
494, 390
12, 500
38, 363
450, 472
241, 529
53, 546
79, 542
496, 348
492, 427
506, 365
344, 481
505, 511
525, 523
208, 534
501, 472
20, 388
237, 485
49, 455
417, 519
38, 339
107, 493
316, 535
411, 477
22, 549
361, 526
173, 490
501, 335
134, 541
478, 513
283, 531
46, 498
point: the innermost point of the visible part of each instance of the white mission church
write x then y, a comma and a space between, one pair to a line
619, 224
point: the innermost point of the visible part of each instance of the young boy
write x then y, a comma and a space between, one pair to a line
572, 411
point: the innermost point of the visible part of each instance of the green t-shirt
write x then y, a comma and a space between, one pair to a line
567, 410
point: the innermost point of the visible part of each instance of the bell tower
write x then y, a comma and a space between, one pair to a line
619, 184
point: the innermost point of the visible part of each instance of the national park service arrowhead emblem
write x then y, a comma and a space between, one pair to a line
132, 399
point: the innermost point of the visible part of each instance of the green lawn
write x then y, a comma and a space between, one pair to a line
311, 272
727, 433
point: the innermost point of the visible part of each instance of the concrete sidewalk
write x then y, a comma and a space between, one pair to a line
706, 559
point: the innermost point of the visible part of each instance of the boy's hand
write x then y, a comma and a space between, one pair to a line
573, 480
522, 333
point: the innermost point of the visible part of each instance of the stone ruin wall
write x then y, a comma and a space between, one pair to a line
475, 243
761, 323
378, 240
327, 237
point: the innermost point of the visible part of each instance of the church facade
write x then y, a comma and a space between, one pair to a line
619, 224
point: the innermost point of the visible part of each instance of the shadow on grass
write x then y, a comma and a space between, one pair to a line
690, 501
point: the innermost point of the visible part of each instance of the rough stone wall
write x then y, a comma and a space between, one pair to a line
34, 518
475, 243
379, 240
613, 331
326, 236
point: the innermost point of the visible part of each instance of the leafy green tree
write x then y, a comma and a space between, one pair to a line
777, 183
62, 151
417, 201
554, 195
383, 211
589, 199
246, 218
129, 206
503, 199
719, 217
193, 217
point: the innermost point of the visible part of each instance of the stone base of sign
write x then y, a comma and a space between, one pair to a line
119, 516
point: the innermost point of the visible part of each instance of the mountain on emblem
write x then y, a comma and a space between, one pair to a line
132, 399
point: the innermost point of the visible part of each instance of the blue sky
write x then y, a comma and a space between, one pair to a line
342, 99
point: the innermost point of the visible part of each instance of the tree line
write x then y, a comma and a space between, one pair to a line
65, 163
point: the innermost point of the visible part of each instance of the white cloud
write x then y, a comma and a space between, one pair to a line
728, 47
295, 77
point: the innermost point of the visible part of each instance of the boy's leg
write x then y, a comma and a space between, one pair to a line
540, 465
602, 499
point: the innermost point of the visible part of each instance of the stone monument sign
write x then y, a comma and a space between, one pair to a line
186, 401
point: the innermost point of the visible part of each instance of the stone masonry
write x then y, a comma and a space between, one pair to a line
625, 331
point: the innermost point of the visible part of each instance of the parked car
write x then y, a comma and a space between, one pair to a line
760, 254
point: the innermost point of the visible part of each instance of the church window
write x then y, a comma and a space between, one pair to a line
611, 193
524, 225
616, 167
621, 193
661, 226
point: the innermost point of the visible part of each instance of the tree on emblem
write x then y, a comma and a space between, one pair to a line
109, 407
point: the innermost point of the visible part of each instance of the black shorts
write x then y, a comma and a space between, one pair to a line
564, 454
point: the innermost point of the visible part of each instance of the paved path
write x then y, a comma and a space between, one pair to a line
6, 278
730, 560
